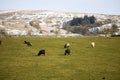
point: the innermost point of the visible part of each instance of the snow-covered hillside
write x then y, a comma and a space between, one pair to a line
17, 22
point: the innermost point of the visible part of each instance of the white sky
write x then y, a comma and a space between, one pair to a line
83, 6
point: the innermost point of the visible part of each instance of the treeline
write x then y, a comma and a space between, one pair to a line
82, 21
81, 24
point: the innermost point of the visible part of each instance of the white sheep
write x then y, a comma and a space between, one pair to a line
67, 45
93, 44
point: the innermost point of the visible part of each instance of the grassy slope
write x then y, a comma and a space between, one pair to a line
19, 62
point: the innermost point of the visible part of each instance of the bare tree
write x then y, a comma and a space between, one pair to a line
3, 32
57, 32
29, 32
114, 28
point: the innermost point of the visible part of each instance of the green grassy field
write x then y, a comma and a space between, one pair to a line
19, 62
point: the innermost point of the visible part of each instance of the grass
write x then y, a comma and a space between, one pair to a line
19, 62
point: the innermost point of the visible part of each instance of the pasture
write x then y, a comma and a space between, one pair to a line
20, 62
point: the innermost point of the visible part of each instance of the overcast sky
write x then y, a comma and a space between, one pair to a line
83, 6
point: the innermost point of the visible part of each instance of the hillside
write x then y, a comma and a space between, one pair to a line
44, 22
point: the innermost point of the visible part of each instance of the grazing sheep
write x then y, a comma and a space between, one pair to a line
28, 43
41, 52
92, 44
67, 51
67, 45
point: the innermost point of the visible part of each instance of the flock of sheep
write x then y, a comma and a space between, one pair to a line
42, 52
66, 46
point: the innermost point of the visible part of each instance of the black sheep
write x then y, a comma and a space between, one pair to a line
28, 43
41, 52
67, 51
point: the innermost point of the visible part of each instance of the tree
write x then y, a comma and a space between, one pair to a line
92, 19
80, 24
35, 24
75, 22
83, 21
57, 32
29, 33
114, 28
3, 32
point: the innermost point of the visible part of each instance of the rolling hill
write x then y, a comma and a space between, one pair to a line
44, 22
